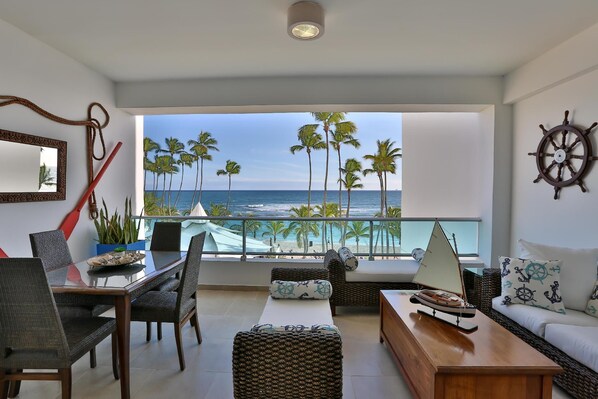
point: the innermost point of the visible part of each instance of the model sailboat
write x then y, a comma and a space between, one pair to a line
440, 270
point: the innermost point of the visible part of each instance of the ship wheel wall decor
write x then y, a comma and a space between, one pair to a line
564, 155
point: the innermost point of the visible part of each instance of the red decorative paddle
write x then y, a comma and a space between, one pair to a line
70, 221
3, 254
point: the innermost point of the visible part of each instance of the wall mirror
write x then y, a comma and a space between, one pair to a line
32, 168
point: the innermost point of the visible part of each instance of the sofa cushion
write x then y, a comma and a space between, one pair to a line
384, 271
576, 341
309, 289
281, 312
531, 282
578, 273
592, 306
535, 319
349, 260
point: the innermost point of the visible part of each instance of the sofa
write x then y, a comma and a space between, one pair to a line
290, 364
362, 286
570, 339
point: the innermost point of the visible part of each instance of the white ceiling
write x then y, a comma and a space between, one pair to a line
135, 40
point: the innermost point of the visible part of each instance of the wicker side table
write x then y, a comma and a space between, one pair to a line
476, 280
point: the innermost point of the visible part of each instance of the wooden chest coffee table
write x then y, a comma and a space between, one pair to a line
438, 361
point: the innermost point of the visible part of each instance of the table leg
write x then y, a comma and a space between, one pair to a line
122, 309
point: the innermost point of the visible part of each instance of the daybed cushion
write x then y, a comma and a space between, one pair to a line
390, 271
576, 341
531, 282
578, 274
309, 289
535, 319
281, 312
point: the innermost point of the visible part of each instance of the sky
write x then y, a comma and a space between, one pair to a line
261, 144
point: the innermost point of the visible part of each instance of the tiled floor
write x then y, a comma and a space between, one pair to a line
369, 372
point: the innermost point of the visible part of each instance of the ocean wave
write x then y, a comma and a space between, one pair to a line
255, 206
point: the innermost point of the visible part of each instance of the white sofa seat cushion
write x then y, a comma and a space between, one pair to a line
282, 312
576, 341
535, 319
384, 271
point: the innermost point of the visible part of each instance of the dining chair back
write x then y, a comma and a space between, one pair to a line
166, 236
52, 248
33, 336
190, 277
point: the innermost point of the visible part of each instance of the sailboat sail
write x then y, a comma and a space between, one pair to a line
440, 266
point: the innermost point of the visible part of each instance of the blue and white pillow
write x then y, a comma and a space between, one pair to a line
348, 259
418, 254
315, 328
531, 282
310, 289
592, 307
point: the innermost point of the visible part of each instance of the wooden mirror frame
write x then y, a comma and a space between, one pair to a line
60, 194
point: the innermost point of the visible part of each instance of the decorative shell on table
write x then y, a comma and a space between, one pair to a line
115, 258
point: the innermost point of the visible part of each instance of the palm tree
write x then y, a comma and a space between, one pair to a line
343, 134
350, 181
185, 159
331, 210
231, 168
330, 120
357, 229
165, 165
218, 210
310, 140
148, 145
301, 228
45, 176
273, 229
173, 147
388, 157
394, 228
201, 148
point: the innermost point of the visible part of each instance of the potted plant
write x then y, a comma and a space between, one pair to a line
116, 232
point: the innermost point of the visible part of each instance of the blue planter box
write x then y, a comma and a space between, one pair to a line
136, 246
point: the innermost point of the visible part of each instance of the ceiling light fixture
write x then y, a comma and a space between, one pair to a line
305, 20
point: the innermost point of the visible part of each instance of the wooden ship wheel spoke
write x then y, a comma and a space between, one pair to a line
564, 155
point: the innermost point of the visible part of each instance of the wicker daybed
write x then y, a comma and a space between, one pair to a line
360, 293
289, 364
577, 379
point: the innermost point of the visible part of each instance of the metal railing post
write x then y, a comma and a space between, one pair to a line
371, 250
244, 232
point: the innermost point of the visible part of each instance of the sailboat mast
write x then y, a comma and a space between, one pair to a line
460, 271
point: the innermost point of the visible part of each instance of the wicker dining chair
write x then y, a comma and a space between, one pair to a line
175, 307
51, 247
166, 237
34, 337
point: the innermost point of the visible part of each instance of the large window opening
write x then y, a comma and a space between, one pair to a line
279, 165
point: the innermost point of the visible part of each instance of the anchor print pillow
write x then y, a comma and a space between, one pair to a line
592, 308
531, 282
310, 289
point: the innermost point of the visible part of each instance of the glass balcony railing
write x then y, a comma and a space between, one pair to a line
280, 237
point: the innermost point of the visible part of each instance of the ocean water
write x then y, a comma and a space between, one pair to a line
278, 203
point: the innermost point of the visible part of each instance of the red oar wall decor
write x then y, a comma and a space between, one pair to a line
70, 221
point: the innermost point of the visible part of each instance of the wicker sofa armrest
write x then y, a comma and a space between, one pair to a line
287, 364
298, 274
335, 267
491, 288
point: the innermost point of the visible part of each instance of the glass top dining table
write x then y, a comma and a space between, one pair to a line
117, 285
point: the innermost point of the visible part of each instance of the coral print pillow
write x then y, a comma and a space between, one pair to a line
592, 308
531, 282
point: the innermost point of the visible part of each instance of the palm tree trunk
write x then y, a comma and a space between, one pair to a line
195, 187
357, 241
163, 190
309, 186
169, 191
200, 181
386, 210
176, 201
340, 183
228, 199
324, 235
347, 214
381, 226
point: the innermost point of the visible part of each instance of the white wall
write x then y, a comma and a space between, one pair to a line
571, 220
32, 70
441, 173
